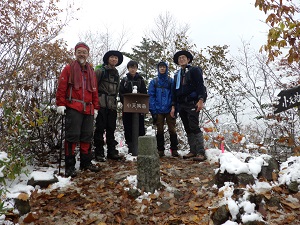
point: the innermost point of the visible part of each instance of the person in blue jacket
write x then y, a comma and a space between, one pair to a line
160, 104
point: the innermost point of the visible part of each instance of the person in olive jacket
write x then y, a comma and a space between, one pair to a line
108, 80
132, 78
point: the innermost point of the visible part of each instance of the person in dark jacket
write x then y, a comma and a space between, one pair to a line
127, 84
108, 80
77, 98
189, 96
160, 104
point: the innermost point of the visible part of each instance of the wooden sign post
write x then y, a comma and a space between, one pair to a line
136, 103
288, 99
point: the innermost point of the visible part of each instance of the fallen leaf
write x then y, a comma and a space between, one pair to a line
145, 202
195, 205
291, 204
267, 195
118, 219
23, 196
29, 218
205, 180
289, 219
272, 208
152, 196
76, 212
60, 195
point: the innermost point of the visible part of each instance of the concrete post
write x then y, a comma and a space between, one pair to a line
148, 165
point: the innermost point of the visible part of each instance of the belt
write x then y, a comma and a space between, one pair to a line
81, 101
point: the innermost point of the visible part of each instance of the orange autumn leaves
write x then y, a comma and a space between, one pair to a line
210, 127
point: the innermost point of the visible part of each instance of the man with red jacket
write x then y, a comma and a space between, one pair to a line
77, 98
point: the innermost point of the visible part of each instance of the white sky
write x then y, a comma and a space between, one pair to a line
214, 22
232, 162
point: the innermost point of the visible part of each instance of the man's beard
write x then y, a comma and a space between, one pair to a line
81, 61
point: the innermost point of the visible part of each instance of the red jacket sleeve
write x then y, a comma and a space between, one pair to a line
61, 93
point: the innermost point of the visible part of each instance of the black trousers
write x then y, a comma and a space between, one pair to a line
190, 120
127, 123
105, 122
79, 127
189, 117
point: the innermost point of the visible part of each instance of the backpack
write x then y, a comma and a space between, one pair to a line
205, 89
104, 74
100, 67
136, 83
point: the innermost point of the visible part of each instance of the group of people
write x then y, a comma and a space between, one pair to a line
84, 95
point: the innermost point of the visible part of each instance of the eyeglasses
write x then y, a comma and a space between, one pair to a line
80, 52
182, 57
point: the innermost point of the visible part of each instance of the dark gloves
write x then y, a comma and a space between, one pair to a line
154, 118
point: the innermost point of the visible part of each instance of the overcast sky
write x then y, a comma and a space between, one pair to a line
213, 22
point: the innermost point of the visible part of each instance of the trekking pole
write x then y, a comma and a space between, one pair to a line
61, 141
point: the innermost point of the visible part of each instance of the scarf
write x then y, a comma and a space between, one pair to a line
75, 78
178, 79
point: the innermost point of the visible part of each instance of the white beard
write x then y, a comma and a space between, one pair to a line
82, 61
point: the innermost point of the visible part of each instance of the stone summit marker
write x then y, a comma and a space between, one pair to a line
148, 165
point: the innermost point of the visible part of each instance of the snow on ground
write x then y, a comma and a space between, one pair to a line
229, 161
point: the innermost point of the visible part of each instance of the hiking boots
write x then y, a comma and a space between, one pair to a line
91, 167
70, 172
86, 163
174, 152
70, 162
100, 158
130, 147
189, 155
161, 153
200, 158
115, 157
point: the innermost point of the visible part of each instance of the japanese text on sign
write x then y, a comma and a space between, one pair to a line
288, 99
136, 105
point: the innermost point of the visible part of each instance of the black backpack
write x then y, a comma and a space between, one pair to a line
205, 89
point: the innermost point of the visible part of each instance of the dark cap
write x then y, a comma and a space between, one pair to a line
183, 52
114, 53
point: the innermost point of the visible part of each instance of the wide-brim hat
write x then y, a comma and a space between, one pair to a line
115, 53
183, 52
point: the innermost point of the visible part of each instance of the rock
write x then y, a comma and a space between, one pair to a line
221, 178
42, 183
293, 187
22, 204
221, 215
273, 202
238, 179
134, 193
148, 165
270, 172
244, 179
255, 223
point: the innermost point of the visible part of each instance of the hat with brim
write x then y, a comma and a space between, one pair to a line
183, 52
114, 53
